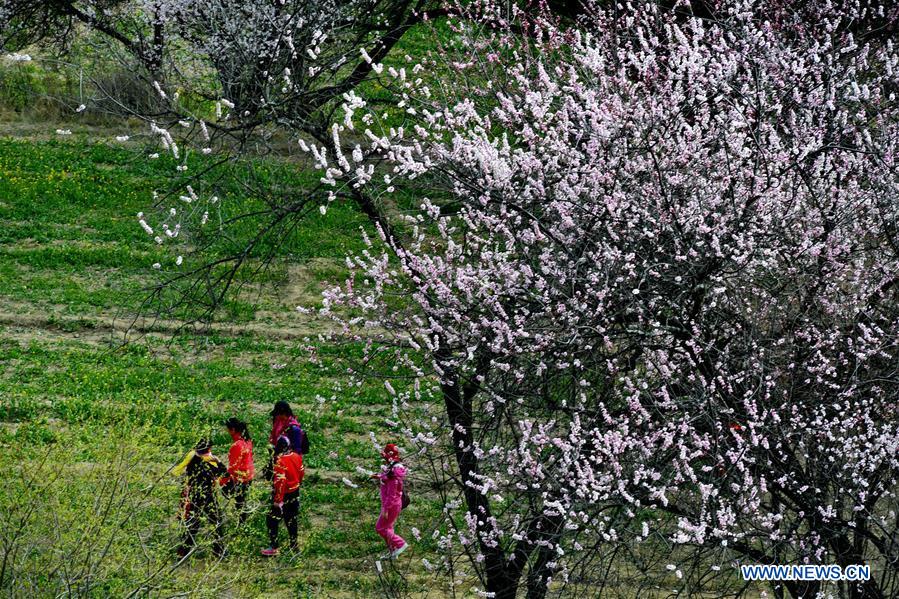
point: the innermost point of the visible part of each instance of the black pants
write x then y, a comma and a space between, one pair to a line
203, 512
289, 514
239, 492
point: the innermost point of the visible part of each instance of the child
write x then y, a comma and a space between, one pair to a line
391, 480
240, 466
199, 503
285, 424
288, 474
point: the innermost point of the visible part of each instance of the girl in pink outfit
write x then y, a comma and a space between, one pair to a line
391, 479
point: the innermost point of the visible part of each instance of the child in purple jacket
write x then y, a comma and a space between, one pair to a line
391, 480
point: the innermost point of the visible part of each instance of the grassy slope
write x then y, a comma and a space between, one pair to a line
72, 259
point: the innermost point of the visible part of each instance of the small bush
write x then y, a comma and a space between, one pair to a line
123, 93
24, 85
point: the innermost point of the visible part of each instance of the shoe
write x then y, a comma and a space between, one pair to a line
269, 551
396, 552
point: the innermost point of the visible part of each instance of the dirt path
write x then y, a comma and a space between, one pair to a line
27, 322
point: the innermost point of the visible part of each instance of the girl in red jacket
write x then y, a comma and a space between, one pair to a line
288, 474
241, 470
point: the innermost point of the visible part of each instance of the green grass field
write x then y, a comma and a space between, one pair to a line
88, 428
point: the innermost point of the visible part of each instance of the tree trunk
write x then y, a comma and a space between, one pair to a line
539, 574
500, 578
803, 589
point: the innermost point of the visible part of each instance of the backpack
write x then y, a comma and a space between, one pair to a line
404, 497
299, 441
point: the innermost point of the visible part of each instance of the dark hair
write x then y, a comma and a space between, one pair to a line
282, 408
203, 444
236, 424
282, 445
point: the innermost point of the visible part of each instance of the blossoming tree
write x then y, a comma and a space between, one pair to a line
656, 285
